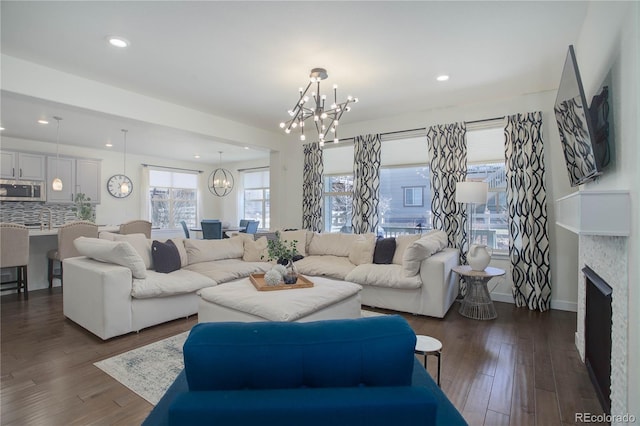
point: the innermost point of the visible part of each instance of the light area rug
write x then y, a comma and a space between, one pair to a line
149, 370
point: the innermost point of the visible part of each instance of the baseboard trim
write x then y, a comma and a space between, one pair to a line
560, 305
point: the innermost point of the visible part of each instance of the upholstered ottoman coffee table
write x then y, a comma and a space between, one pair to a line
240, 301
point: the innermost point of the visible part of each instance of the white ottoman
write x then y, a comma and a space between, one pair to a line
240, 301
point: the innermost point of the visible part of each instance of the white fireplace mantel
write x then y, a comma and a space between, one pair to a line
595, 213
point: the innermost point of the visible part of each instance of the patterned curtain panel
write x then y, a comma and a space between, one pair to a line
366, 183
312, 199
527, 203
448, 154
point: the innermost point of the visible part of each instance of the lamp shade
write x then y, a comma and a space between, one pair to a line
472, 192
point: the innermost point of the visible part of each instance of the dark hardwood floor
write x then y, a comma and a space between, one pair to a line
520, 369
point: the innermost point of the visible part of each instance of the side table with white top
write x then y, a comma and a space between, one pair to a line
477, 303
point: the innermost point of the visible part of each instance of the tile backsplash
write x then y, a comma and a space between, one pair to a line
29, 212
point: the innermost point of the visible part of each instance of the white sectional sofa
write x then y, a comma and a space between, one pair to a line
113, 289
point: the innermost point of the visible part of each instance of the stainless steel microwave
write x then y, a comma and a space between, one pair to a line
20, 190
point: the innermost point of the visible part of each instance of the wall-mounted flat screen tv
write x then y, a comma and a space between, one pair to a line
583, 129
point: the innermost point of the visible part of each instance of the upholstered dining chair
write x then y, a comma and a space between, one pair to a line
136, 227
252, 227
243, 223
14, 253
66, 235
185, 228
211, 229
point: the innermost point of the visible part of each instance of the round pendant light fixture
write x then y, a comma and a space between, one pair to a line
220, 181
56, 184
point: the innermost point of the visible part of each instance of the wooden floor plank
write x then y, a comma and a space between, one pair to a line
48, 377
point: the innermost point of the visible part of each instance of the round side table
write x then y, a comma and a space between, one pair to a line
427, 345
477, 303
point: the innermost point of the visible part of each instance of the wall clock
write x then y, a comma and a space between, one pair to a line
116, 186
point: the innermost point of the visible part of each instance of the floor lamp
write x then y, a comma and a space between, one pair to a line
471, 193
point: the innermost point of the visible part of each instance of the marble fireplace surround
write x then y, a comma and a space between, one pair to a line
602, 221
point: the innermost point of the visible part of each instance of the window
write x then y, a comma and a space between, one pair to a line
485, 163
413, 196
338, 203
173, 197
256, 197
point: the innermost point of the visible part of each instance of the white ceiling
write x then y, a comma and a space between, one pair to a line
244, 61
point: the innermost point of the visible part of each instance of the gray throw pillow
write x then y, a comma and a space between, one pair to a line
384, 251
166, 257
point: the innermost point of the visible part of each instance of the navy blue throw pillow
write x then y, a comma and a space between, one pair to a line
166, 257
384, 251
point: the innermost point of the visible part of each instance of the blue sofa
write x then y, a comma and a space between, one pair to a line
340, 372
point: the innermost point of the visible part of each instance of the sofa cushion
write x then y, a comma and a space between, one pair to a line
119, 252
402, 242
362, 248
222, 271
376, 351
207, 250
384, 251
390, 276
166, 257
332, 243
420, 249
256, 251
300, 236
184, 257
325, 266
159, 284
140, 242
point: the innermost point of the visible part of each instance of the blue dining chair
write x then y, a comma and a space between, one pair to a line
211, 229
244, 223
252, 226
185, 228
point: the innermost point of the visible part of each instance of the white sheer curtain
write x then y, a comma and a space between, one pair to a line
145, 212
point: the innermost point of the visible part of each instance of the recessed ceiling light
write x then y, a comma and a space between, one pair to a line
246, 147
43, 122
118, 41
196, 156
442, 77
108, 144
1, 129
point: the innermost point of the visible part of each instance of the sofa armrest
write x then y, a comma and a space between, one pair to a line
97, 296
439, 281
372, 406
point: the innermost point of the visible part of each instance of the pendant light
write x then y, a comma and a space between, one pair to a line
56, 184
220, 180
124, 187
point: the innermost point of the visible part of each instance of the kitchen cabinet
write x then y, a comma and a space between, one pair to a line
78, 175
22, 165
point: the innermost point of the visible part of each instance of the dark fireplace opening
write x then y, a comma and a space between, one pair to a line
597, 325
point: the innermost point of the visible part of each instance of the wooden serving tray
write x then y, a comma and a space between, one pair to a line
260, 285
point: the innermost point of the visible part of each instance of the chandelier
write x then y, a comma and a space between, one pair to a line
324, 119
220, 180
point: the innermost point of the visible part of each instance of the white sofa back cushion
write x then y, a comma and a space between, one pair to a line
119, 252
402, 242
362, 248
206, 250
419, 250
333, 244
255, 251
300, 236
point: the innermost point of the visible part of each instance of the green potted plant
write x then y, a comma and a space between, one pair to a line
284, 252
83, 207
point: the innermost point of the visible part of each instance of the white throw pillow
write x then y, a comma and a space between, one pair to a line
402, 242
256, 251
106, 235
119, 252
141, 243
361, 250
184, 258
300, 236
332, 243
206, 250
419, 250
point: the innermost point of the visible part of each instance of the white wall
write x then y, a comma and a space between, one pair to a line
610, 43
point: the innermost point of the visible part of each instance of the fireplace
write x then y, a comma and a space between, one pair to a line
597, 324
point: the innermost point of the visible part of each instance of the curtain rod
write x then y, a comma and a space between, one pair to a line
253, 168
172, 168
485, 120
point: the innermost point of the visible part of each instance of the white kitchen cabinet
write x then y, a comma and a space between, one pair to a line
22, 165
78, 175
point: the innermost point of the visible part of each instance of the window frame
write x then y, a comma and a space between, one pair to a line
171, 200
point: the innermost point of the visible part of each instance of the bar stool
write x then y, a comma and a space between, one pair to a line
427, 345
14, 253
66, 235
136, 227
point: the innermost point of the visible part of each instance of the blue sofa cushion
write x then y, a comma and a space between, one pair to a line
376, 351
370, 406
